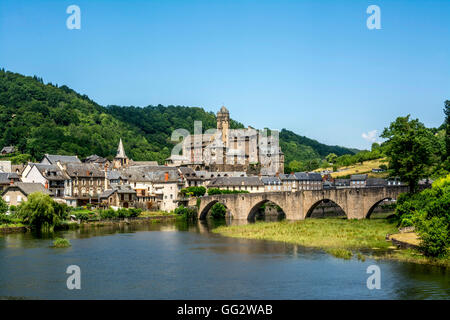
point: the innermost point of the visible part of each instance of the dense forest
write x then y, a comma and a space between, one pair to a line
41, 118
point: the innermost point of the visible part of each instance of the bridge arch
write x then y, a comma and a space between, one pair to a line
255, 208
372, 208
204, 212
321, 201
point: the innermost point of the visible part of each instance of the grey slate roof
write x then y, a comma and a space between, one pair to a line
119, 189
271, 180
53, 158
376, 182
9, 149
28, 188
84, 170
358, 177
5, 177
51, 172
235, 181
342, 182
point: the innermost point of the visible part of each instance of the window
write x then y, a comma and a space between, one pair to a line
7, 199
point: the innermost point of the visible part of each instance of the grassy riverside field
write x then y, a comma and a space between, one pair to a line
340, 237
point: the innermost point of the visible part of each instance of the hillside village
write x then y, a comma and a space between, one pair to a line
124, 183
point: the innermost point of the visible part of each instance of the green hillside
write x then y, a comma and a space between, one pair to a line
41, 118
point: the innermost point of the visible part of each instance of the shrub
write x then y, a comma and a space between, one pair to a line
213, 191
187, 213
82, 216
108, 214
434, 235
218, 211
133, 213
61, 243
3, 206
193, 191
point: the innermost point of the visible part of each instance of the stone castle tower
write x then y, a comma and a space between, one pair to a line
223, 123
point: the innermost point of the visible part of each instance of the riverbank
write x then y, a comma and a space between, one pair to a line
339, 237
155, 217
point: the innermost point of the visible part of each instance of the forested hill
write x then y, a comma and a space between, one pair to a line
41, 118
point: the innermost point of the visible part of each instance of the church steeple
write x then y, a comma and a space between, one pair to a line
121, 159
121, 151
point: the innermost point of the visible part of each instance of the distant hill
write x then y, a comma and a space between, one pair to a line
41, 118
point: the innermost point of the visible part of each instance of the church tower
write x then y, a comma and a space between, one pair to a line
223, 123
121, 159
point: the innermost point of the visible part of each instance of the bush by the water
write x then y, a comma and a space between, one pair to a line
429, 212
61, 243
187, 213
213, 191
41, 212
218, 211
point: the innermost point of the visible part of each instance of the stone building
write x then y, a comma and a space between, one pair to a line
49, 175
18, 192
120, 196
85, 183
250, 184
227, 149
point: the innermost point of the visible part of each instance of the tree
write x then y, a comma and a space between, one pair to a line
447, 128
331, 158
3, 206
39, 212
218, 211
409, 149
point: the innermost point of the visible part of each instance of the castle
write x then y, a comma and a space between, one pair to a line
225, 149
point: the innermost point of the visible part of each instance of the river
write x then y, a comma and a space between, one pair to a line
185, 261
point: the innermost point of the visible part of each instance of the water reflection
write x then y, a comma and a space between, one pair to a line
180, 260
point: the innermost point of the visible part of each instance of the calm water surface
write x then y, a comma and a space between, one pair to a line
181, 261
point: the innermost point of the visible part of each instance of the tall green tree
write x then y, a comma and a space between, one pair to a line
3, 206
331, 157
410, 150
447, 129
39, 212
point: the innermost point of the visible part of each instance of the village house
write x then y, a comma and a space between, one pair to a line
5, 166
18, 192
341, 183
309, 181
49, 175
54, 159
250, 184
120, 196
358, 180
103, 162
158, 184
272, 184
86, 183
8, 178
7, 150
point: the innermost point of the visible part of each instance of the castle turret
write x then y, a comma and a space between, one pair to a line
223, 123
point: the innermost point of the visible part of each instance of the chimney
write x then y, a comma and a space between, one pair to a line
166, 176
46, 184
11, 182
277, 174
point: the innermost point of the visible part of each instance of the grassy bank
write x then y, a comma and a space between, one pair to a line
339, 237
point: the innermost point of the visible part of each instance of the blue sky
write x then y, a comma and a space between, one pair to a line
312, 67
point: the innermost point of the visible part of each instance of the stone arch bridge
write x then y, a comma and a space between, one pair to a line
357, 203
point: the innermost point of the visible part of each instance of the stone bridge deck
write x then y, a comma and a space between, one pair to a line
357, 203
